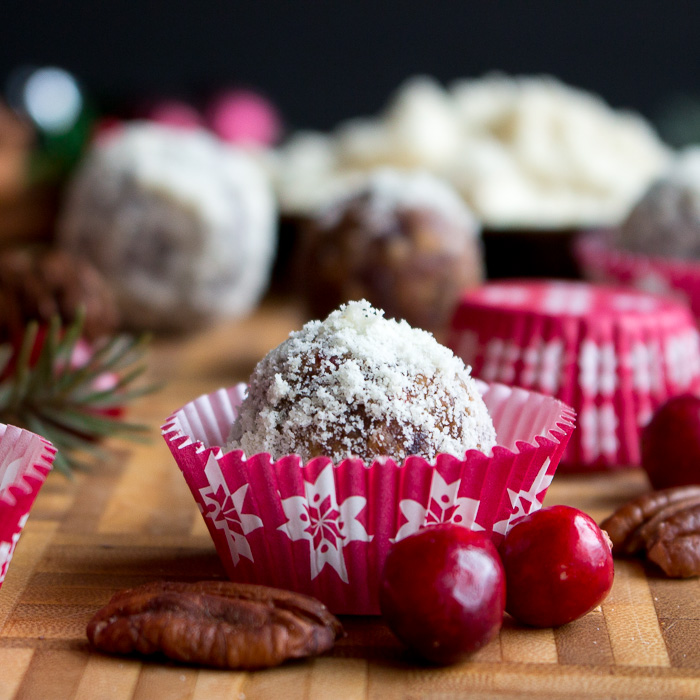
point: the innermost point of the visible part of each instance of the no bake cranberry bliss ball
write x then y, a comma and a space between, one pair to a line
181, 225
361, 385
404, 240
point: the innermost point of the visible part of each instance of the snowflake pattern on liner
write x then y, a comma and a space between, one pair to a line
598, 426
597, 368
444, 505
542, 365
529, 497
500, 357
225, 511
327, 525
7, 548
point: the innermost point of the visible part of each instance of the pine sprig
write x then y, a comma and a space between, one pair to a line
44, 389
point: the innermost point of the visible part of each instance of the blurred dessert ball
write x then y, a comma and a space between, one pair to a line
666, 220
404, 240
181, 225
531, 156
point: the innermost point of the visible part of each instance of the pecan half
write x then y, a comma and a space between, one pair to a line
675, 544
625, 521
212, 623
663, 524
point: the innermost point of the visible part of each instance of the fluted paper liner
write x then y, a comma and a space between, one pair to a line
325, 529
601, 261
614, 355
25, 461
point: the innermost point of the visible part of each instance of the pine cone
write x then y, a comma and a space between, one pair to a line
36, 284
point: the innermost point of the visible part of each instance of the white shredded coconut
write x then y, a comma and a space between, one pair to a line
358, 384
537, 151
523, 151
387, 190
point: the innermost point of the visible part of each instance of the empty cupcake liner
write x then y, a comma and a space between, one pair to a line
612, 354
601, 261
25, 461
325, 529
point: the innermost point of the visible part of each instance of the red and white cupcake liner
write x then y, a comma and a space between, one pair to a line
612, 354
25, 461
601, 261
325, 529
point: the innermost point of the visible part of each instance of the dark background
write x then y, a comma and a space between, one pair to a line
325, 61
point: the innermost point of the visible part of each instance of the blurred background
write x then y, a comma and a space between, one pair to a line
323, 62
546, 119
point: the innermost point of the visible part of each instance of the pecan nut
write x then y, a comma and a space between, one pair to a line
675, 545
212, 623
665, 525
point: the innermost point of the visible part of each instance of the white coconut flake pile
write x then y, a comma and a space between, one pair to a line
358, 384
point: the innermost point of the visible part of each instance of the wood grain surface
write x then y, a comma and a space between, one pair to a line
133, 520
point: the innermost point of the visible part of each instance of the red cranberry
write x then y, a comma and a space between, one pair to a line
671, 443
442, 592
558, 565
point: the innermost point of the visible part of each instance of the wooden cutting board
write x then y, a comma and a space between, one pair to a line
133, 521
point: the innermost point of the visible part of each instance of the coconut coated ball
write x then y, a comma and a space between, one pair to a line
182, 225
666, 220
361, 385
404, 240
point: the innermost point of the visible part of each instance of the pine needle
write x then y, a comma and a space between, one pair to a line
43, 390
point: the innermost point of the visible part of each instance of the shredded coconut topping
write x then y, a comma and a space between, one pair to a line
360, 385
387, 190
523, 151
